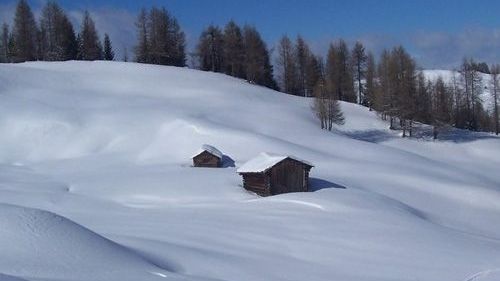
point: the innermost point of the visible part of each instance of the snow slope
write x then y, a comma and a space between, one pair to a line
44, 245
107, 147
449, 75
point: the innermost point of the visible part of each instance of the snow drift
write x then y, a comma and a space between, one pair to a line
41, 245
109, 146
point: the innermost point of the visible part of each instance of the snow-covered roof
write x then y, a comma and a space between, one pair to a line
265, 161
210, 149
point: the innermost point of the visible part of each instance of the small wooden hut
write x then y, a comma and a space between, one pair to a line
208, 157
271, 174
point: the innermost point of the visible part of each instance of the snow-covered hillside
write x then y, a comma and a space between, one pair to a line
96, 184
449, 75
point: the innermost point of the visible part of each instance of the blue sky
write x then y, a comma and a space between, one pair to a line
438, 33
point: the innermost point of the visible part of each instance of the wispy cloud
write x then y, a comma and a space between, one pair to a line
439, 49
118, 23
431, 49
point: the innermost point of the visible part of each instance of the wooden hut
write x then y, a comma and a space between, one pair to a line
208, 157
271, 174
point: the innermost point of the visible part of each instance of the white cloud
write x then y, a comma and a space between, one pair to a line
118, 23
439, 49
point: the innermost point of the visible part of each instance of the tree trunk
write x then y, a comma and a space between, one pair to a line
497, 125
404, 128
360, 88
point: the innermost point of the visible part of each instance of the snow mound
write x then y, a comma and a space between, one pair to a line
36, 243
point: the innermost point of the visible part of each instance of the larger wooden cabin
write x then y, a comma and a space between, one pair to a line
270, 174
208, 157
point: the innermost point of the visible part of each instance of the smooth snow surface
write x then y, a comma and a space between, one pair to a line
265, 161
96, 183
56, 248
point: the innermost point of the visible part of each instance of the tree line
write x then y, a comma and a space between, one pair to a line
392, 85
235, 51
401, 93
52, 38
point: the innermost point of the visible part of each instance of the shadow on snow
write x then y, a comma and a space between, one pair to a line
421, 133
227, 162
316, 184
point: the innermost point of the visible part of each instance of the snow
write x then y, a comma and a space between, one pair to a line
210, 149
44, 245
449, 75
265, 161
91, 189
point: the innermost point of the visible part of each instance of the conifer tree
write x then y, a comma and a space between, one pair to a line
67, 40
331, 71
178, 51
287, 72
4, 43
346, 87
125, 54
339, 73
159, 37
473, 88
359, 60
210, 49
303, 59
258, 66
423, 101
58, 40
313, 73
90, 47
370, 86
25, 33
234, 50
495, 72
48, 27
142, 48
441, 111
12, 50
404, 79
383, 92
109, 54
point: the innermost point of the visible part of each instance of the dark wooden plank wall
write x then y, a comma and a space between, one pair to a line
288, 176
206, 160
257, 182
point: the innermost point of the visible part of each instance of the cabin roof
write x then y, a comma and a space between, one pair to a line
266, 161
210, 149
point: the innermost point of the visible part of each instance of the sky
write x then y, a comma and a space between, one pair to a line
437, 33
